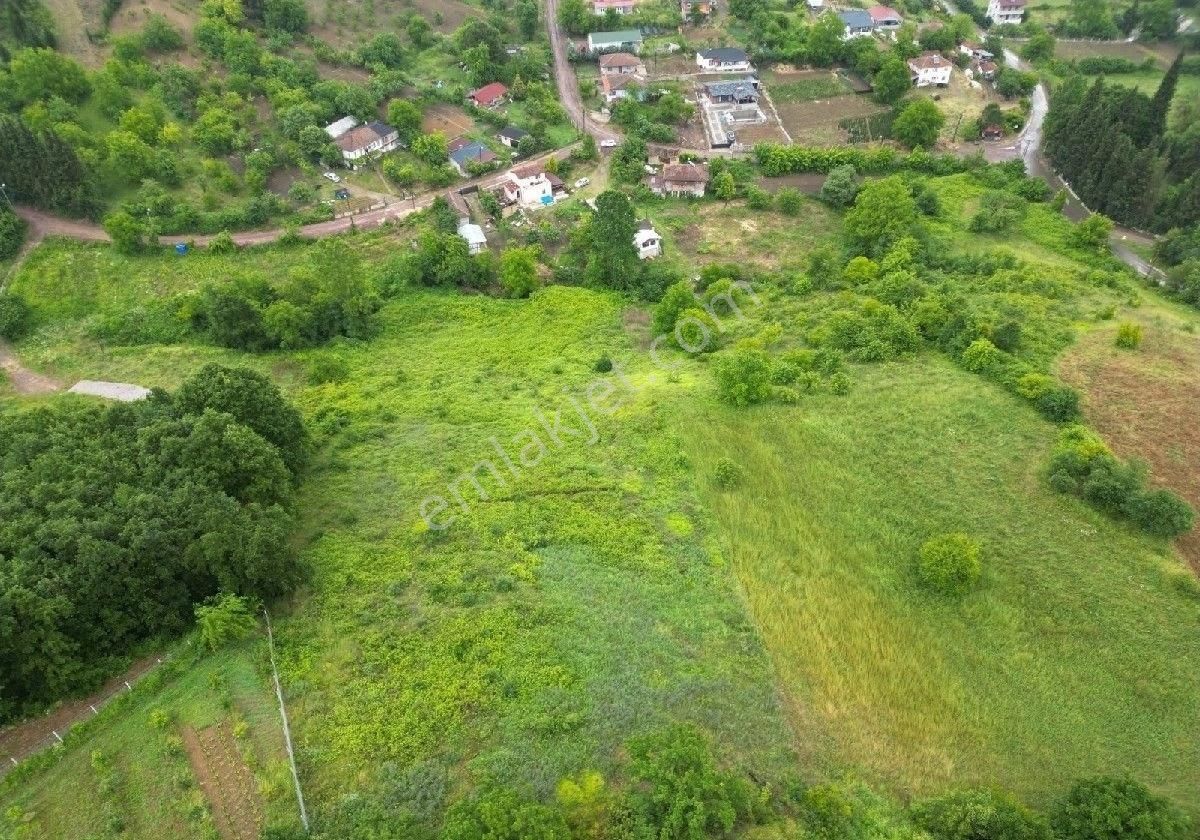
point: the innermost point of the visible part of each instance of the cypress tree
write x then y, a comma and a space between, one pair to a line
1160, 105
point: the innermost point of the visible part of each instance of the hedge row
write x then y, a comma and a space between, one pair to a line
786, 160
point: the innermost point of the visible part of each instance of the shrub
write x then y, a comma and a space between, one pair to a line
1160, 512
695, 331
840, 384
950, 563
12, 233
1129, 335
985, 358
1106, 808
1060, 405
789, 201
224, 618
743, 374
325, 369
222, 243
758, 198
979, 815
1061, 481
16, 319
502, 814
675, 300
727, 473
840, 186
679, 793
603, 365
1109, 484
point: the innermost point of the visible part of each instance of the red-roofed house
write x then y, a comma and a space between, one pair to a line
621, 63
885, 17
488, 96
930, 69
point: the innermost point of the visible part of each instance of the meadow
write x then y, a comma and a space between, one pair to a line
597, 582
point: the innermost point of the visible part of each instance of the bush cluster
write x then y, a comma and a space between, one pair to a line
1084, 466
950, 564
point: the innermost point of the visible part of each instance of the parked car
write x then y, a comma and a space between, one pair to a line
332, 176
608, 144
582, 182
341, 194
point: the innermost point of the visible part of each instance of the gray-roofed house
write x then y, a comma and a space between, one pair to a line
511, 136
741, 91
723, 60
857, 23
680, 179
460, 157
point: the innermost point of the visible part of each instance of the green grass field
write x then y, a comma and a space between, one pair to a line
589, 591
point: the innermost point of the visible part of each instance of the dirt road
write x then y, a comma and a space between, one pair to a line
23, 380
43, 224
568, 85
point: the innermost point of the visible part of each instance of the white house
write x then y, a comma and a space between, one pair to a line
647, 241
930, 69
619, 87
815, 6
1006, 11
529, 186
724, 60
626, 40
375, 137
621, 7
475, 237
337, 129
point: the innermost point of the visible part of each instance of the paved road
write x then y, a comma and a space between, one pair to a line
568, 85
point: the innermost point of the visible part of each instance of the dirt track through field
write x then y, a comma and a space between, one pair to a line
226, 781
24, 380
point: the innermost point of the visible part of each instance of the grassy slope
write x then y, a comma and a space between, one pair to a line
157, 794
589, 598
1076, 656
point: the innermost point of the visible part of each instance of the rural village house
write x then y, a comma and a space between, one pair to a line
373, 137
529, 186
885, 18
740, 91
700, 7
1006, 11
723, 60
858, 24
488, 96
619, 87
621, 63
621, 7
972, 50
681, 179
512, 136
340, 127
930, 69
647, 241
463, 151
625, 40
470, 233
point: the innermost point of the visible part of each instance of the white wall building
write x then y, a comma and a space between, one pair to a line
529, 186
724, 60
647, 241
930, 69
1006, 11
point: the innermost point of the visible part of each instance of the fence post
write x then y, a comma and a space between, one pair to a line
287, 732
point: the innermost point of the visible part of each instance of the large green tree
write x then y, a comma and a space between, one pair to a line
612, 258
918, 124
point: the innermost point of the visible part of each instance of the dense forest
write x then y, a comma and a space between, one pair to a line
115, 520
1123, 156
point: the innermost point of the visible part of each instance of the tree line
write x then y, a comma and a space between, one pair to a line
1114, 146
116, 519
41, 169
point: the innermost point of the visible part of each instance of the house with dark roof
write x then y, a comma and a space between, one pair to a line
512, 136
857, 23
469, 152
741, 91
488, 96
723, 60
372, 138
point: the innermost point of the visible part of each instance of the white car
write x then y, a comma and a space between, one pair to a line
608, 144
332, 176
582, 182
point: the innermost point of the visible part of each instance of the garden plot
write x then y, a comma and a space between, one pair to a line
816, 123
451, 120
